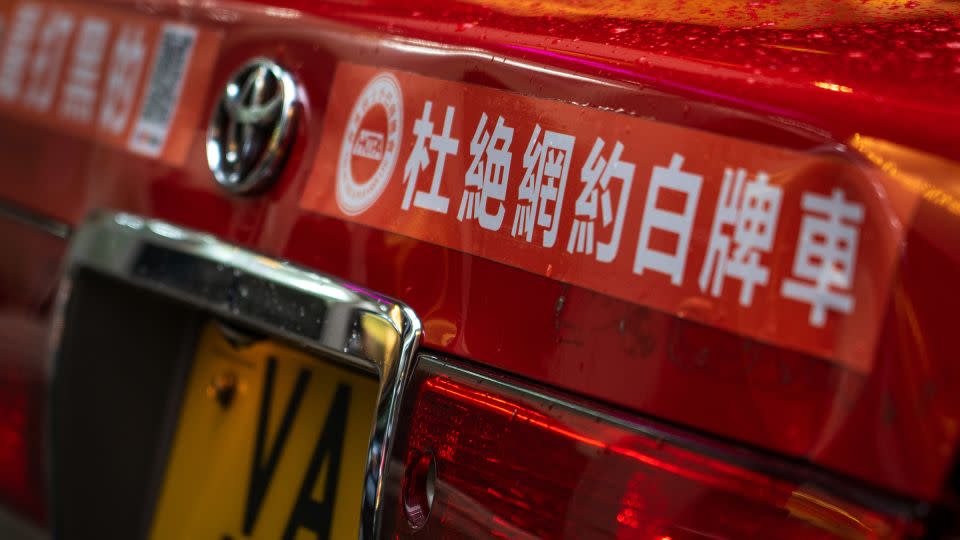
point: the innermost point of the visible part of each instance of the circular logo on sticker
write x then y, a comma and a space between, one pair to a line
370, 146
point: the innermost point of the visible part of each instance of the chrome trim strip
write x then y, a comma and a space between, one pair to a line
318, 312
18, 214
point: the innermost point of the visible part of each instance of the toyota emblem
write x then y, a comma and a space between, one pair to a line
251, 126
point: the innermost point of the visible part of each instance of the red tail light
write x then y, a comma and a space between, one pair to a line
21, 417
511, 463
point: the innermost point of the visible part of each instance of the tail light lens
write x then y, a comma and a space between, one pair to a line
515, 463
22, 392
27, 284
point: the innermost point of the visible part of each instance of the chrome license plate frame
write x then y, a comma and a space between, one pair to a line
316, 312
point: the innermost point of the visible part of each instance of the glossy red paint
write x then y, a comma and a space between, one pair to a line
833, 67
802, 83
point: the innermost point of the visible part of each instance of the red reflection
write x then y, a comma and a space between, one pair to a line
520, 413
508, 467
18, 483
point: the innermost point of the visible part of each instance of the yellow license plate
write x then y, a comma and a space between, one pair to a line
271, 444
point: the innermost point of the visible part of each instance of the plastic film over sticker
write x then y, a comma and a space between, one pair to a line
760, 241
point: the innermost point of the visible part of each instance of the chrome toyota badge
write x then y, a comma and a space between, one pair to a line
251, 126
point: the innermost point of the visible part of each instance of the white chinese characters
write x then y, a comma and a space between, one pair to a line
441, 144
487, 176
80, 90
826, 255
673, 225
751, 208
86, 70
15, 62
598, 176
546, 163
47, 60
735, 245
123, 72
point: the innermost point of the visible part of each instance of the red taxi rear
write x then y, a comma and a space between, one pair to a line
642, 270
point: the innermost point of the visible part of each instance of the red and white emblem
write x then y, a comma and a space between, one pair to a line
371, 143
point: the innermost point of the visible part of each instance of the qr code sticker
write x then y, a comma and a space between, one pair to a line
159, 108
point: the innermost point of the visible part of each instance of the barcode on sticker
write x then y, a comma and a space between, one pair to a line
163, 91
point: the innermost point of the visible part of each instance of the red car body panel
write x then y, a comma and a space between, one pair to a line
800, 75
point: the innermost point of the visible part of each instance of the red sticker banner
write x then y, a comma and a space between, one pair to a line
104, 74
795, 249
